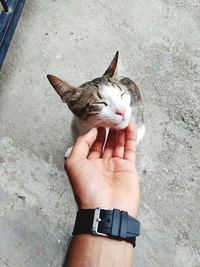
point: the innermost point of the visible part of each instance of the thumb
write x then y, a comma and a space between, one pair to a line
82, 145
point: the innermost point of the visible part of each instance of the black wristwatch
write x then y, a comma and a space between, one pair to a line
114, 224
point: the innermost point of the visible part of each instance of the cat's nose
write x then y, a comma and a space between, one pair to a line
120, 113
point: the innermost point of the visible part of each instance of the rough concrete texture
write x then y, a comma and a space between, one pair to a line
159, 47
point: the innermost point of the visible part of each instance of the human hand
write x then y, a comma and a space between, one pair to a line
105, 178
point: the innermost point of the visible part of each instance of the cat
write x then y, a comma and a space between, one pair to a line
110, 101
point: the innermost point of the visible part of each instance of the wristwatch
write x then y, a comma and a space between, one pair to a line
115, 224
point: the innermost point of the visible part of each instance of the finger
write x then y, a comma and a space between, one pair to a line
110, 143
96, 149
82, 145
130, 145
119, 148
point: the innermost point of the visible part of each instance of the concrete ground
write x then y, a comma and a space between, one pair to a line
159, 48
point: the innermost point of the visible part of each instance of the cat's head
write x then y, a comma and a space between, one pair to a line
102, 102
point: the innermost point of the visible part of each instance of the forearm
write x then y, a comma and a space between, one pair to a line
93, 251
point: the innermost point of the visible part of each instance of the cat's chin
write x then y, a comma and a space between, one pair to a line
120, 126
114, 125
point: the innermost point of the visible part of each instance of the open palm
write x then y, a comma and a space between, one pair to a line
105, 176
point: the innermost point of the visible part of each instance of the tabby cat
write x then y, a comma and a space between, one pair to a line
111, 101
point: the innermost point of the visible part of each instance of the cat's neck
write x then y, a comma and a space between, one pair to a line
79, 127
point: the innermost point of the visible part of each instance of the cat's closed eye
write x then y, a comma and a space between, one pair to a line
123, 94
101, 103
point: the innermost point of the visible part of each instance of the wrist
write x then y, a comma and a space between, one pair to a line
132, 211
97, 252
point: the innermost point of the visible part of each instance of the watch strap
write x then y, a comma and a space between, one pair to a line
115, 224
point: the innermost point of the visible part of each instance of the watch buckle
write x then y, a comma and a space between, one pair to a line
96, 221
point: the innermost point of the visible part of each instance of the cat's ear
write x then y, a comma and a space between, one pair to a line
112, 69
64, 90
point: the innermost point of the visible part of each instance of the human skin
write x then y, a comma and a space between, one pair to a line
103, 177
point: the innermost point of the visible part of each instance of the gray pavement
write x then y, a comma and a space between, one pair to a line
159, 49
